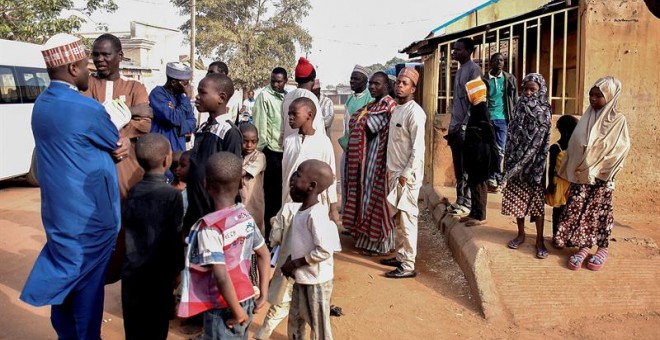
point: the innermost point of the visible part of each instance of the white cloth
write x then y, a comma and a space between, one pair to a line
296, 150
234, 104
288, 99
405, 157
405, 146
406, 239
314, 236
248, 105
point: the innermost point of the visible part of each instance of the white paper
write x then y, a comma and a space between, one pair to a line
119, 113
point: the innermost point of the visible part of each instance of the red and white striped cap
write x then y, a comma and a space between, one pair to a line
62, 49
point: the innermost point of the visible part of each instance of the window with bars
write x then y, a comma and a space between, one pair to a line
548, 44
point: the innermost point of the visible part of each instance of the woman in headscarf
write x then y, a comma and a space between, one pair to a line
366, 213
480, 152
595, 155
527, 147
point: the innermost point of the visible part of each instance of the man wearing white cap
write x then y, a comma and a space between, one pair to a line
405, 169
360, 97
174, 116
77, 145
327, 107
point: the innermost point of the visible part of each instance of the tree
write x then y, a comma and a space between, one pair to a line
251, 36
37, 20
389, 64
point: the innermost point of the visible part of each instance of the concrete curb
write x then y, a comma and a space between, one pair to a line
471, 256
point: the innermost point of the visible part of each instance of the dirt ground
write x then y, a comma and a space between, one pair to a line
434, 305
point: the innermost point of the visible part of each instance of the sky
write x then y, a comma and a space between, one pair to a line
344, 32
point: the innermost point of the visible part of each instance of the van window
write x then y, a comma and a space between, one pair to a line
8, 90
33, 81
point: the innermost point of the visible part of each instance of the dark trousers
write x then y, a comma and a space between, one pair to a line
147, 304
81, 313
479, 200
272, 187
462, 190
501, 129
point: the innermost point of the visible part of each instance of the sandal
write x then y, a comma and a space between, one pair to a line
541, 253
576, 260
514, 244
597, 261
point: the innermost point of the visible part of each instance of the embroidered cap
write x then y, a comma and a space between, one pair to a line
361, 69
178, 71
62, 49
410, 73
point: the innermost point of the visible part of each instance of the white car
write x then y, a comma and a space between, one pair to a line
23, 77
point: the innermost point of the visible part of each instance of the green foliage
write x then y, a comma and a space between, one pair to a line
251, 36
380, 67
37, 20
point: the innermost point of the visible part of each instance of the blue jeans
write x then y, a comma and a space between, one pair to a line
215, 323
501, 128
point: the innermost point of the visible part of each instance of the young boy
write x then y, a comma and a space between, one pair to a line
217, 134
307, 144
181, 173
314, 238
153, 257
216, 278
254, 165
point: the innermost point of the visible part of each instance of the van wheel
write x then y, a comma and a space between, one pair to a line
31, 176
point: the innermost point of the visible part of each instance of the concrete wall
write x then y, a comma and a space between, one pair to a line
622, 39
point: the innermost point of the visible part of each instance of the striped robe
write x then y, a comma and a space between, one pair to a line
366, 212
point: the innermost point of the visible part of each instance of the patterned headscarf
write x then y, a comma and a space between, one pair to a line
528, 139
600, 142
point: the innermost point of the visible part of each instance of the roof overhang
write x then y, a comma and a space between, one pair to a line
430, 44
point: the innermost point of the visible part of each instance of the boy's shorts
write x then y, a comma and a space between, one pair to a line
215, 323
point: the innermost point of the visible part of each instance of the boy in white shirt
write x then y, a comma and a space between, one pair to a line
314, 238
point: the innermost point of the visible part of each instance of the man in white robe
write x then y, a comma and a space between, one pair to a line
405, 167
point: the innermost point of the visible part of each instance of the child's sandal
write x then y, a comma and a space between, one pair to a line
597, 261
576, 260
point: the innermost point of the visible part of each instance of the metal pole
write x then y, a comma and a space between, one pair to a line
192, 35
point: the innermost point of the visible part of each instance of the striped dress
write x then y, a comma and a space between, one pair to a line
366, 213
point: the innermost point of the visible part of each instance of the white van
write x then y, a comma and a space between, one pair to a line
23, 77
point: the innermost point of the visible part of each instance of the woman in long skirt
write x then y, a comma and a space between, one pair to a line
527, 146
596, 152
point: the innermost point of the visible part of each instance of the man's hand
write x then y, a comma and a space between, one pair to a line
142, 111
334, 213
121, 152
261, 301
402, 181
240, 319
288, 267
188, 89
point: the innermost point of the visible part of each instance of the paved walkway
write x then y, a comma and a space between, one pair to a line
516, 286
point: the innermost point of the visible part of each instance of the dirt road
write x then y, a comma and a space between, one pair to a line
435, 305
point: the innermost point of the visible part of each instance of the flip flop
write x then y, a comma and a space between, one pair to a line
576, 260
514, 244
597, 261
541, 253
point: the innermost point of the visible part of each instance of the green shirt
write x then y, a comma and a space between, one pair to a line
354, 103
496, 96
267, 117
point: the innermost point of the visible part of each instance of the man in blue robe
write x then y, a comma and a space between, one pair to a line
174, 116
76, 142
